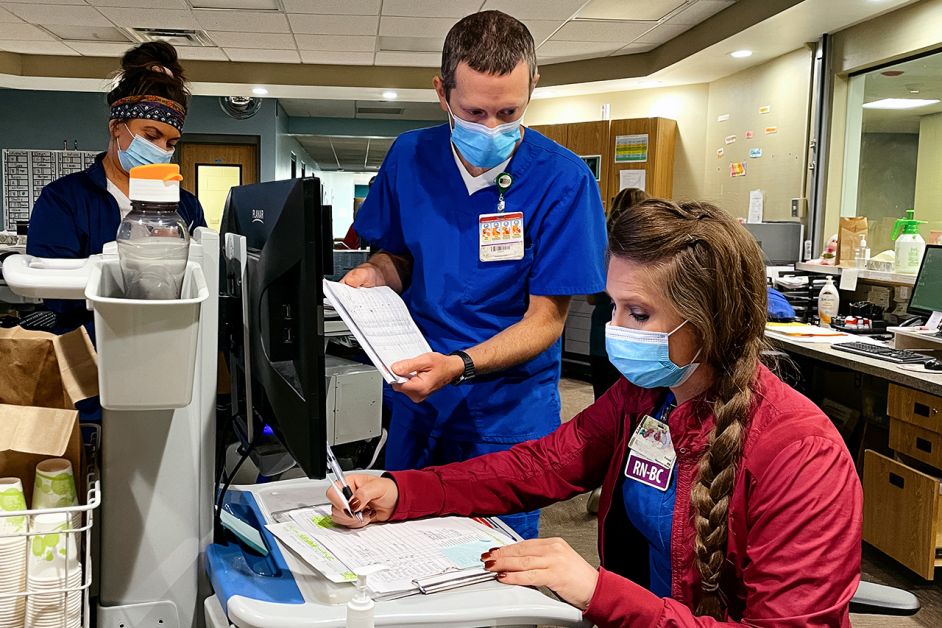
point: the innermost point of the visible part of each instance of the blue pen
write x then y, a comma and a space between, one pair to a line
347, 493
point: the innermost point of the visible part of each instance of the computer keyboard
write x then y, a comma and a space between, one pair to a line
880, 352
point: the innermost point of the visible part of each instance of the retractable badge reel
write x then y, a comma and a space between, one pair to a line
500, 235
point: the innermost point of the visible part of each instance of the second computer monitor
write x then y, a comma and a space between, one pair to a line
926, 297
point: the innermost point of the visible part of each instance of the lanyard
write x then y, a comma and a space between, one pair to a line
666, 406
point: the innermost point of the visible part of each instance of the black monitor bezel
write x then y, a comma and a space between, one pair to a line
918, 311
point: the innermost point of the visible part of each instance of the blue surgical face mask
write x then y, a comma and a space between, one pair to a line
643, 357
481, 145
142, 152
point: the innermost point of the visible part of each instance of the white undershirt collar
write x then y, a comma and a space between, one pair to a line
480, 182
124, 203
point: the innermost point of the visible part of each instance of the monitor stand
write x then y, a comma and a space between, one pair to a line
927, 338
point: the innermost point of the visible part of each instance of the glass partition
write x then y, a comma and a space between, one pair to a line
893, 150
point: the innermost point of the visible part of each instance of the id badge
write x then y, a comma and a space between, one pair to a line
649, 472
652, 439
500, 236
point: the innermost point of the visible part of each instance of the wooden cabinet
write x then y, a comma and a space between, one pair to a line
659, 165
901, 513
597, 140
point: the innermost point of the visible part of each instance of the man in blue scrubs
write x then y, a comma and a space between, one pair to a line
486, 229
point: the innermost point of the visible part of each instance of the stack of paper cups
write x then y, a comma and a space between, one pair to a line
53, 564
12, 553
55, 488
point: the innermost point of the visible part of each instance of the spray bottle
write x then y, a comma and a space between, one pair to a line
910, 246
361, 607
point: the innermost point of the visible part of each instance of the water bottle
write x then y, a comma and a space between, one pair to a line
153, 241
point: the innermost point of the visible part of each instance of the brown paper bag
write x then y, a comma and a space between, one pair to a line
851, 230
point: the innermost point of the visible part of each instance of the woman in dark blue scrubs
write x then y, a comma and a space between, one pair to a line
76, 215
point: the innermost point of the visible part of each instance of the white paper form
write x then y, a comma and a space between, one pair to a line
631, 179
410, 550
381, 324
312, 552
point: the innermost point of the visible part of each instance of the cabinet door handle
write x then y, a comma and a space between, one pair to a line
922, 409
896, 480
923, 445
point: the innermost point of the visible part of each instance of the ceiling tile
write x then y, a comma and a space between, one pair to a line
411, 44
415, 59
58, 14
336, 43
621, 10
141, 4
537, 9
415, 27
37, 48
246, 5
243, 21
98, 49
23, 32
337, 58
572, 50
272, 41
198, 53
90, 33
635, 48
7, 17
152, 18
76, 2
310, 24
430, 8
333, 7
542, 29
700, 11
663, 33
593, 30
263, 56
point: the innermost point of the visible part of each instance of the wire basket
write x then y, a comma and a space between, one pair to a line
54, 593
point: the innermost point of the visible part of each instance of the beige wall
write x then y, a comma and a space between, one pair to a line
782, 83
686, 104
928, 203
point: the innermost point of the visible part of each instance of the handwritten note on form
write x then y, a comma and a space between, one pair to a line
381, 323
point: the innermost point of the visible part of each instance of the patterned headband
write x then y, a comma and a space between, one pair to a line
146, 107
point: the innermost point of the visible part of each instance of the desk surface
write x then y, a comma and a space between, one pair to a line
926, 382
485, 604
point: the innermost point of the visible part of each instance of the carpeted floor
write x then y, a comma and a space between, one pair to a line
570, 520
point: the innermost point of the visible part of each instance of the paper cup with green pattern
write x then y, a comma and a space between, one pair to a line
53, 548
55, 485
12, 500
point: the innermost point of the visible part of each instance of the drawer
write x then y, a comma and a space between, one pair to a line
912, 440
901, 513
915, 407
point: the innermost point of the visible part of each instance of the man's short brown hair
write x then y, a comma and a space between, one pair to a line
490, 42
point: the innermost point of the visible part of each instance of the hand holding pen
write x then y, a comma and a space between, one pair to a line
345, 492
374, 498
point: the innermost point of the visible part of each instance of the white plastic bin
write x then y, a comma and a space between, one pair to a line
146, 349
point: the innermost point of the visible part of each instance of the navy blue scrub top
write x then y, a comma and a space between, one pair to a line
73, 218
651, 512
419, 206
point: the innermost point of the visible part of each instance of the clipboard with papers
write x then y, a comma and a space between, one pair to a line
420, 557
381, 323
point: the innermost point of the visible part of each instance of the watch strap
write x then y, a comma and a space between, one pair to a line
469, 370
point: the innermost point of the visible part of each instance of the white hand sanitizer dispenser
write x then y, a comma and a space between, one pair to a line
360, 608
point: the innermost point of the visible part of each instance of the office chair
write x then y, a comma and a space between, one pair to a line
877, 599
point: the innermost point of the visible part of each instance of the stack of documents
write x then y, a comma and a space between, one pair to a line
801, 332
381, 324
422, 556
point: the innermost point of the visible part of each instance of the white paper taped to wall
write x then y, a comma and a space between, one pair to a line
631, 179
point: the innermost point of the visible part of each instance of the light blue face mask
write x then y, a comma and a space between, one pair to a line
643, 357
481, 145
142, 152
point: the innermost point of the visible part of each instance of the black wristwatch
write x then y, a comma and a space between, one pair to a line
469, 371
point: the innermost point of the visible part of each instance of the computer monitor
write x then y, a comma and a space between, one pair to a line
288, 241
926, 296
781, 242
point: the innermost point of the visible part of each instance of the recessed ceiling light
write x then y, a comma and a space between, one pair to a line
259, 91
740, 54
390, 95
900, 103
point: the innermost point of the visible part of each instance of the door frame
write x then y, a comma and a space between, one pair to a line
221, 138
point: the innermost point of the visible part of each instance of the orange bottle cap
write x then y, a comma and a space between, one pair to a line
157, 172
